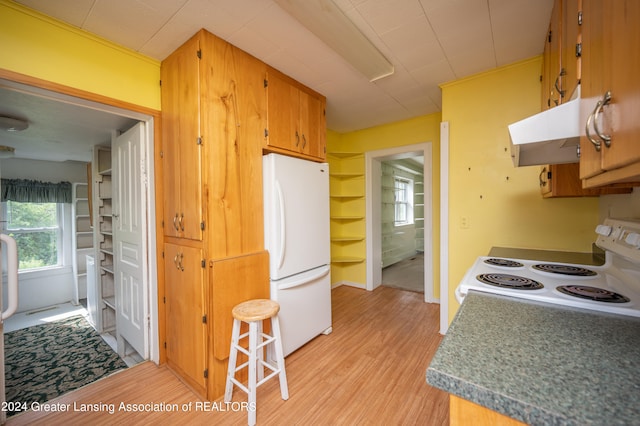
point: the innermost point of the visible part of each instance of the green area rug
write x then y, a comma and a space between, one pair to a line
48, 360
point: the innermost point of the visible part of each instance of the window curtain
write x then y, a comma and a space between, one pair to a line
33, 191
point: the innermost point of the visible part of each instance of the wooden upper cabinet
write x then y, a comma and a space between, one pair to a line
181, 148
609, 147
561, 63
313, 125
571, 48
233, 116
563, 180
296, 118
283, 100
552, 67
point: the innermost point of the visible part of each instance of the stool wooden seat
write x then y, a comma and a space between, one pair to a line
253, 312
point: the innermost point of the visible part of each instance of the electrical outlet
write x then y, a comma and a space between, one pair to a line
464, 222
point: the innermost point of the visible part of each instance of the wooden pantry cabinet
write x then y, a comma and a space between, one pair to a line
214, 112
296, 118
609, 148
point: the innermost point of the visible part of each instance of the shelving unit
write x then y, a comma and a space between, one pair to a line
103, 240
398, 242
83, 239
347, 192
418, 213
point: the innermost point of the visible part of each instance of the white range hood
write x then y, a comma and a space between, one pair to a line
549, 137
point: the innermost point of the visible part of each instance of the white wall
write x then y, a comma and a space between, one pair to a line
46, 171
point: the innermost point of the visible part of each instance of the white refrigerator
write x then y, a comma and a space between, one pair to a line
296, 209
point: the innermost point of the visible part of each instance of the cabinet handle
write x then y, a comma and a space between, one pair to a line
599, 106
175, 222
181, 221
297, 139
304, 141
595, 143
177, 260
563, 72
544, 173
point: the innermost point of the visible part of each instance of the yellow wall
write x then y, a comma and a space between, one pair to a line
402, 133
38, 46
501, 204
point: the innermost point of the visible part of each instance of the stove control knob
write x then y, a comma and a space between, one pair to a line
604, 230
633, 239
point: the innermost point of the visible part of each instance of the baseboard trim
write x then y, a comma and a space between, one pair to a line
349, 284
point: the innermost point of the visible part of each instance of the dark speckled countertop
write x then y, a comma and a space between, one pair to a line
542, 364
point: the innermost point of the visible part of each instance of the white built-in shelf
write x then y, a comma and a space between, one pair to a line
347, 196
347, 259
347, 239
347, 217
346, 175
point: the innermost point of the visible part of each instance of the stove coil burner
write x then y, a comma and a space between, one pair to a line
503, 262
510, 281
575, 271
593, 293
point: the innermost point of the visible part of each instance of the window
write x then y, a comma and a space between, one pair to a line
403, 189
37, 231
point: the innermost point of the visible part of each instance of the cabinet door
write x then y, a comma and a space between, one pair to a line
283, 103
185, 310
610, 62
551, 79
234, 118
180, 142
312, 125
233, 280
592, 84
622, 58
571, 35
296, 117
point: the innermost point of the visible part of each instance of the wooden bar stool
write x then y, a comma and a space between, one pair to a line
253, 312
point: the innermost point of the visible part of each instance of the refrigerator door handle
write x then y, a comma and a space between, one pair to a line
306, 278
12, 275
281, 216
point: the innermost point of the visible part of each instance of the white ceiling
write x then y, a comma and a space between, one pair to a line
429, 42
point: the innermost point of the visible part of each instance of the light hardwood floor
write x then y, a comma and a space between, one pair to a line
369, 371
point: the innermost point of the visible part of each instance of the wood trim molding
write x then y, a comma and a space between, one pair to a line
78, 93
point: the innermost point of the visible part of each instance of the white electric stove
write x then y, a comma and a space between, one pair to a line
613, 287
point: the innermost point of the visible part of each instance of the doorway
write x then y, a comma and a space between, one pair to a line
374, 215
103, 114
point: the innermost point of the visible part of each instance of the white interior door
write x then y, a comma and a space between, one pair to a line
129, 226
